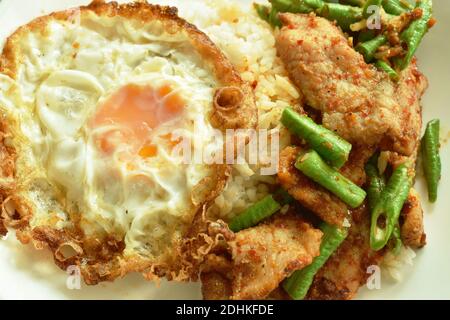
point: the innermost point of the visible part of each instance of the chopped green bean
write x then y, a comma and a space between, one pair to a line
376, 184
431, 159
389, 206
395, 7
255, 213
369, 48
344, 15
375, 181
297, 285
415, 32
312, 165
328, 144
384, 66
396, 236
273, 18
315, 4
262, 11
357, 3
366, 35
294, 6
283, 197
260, 210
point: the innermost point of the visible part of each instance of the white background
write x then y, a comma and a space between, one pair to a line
26, 273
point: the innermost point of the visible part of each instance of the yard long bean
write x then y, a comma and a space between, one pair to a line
431, 159
357, 3
395, 7
294, 6
396, 236
389, 206
311, 165
375, 181
262, 11
369, 48
260, 210
328, 144
384, 66
415, 32
344, 15
297, 285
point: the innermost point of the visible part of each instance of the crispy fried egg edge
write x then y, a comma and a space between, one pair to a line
106, 262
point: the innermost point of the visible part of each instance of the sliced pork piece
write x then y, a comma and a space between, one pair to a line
346, 270
279, 294
412, 228
265, 255
312, 196
354, 168
3, 230
216, 277
259, 258
356, 100
215, 286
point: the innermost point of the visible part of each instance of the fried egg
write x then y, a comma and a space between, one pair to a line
93, 101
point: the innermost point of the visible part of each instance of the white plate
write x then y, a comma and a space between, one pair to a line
26, 273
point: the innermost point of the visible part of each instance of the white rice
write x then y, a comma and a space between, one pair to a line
394, 265
249, 43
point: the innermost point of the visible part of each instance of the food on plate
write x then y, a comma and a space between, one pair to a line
91, 101
95, 100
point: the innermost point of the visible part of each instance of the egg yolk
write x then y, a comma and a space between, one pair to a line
134, 111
